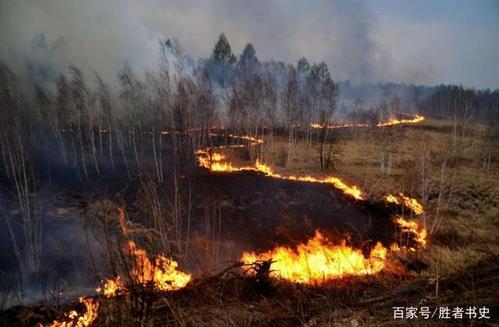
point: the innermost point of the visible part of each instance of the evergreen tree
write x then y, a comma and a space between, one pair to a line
323, 71
303, 66
249, 54
248, 60
222, 59
222, 53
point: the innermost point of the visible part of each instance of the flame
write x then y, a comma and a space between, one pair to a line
319, 260
416, 118
412, 227
73, 319
162, 272
412, 204
392, 199
111, 287
408, 202
316, 125
216, 162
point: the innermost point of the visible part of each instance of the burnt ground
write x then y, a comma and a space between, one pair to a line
231, 213
261, 212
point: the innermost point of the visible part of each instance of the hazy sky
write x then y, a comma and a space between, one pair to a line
424, 41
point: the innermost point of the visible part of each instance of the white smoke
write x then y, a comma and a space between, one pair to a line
357, 43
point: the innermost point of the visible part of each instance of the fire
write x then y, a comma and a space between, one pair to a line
73, 319
111, 287
351, 190
217, 162
319, 260
316, 125
408, 202
406, 226
214, 161
412, 227
392, 199
162, 272
416, 118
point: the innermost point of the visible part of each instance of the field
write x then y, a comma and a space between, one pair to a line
249, 163
458, 267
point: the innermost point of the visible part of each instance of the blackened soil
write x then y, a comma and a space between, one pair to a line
259, 212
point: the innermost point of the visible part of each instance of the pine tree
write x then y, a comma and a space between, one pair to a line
303, 66
248, 61
222, 53
249, 55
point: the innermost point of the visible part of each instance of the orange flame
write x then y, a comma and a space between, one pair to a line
162, 272
412, 227
73, 319
316, 125
319, 260
416, 118
408, 202
217, 162
111, 287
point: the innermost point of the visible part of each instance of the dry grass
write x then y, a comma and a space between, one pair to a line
470, 222
236, 300
462, 259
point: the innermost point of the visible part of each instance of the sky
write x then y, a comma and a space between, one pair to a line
422, 42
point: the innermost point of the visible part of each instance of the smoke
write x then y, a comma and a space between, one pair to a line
95, 35
102, 35
353, 38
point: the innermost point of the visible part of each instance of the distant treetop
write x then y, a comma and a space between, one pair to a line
303, 66
222, 53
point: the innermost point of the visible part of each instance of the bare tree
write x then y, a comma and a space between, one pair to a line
490, 137
106, 122
388, 138
292, 112
15, 147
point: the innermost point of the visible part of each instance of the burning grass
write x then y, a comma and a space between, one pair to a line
161, 273
233, 299
75, 319
217, 162
415, 118
318, 261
